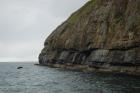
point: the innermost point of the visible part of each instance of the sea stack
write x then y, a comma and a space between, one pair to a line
103, 35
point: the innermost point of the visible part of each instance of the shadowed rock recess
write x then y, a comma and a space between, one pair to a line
103, 35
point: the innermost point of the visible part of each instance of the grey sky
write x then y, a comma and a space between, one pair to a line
25, 24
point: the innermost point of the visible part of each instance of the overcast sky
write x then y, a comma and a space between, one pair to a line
25, 24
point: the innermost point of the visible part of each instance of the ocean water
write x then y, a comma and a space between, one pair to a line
41, 79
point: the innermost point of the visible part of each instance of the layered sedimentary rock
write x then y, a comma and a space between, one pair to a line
103, 34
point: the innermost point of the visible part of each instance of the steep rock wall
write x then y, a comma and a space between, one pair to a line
102, 34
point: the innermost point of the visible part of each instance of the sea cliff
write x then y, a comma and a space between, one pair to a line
103, 35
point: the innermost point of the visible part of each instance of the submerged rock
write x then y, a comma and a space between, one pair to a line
103, 34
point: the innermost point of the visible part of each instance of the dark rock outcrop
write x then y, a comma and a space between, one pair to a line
103, 35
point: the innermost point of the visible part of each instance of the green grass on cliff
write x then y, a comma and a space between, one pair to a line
83, 10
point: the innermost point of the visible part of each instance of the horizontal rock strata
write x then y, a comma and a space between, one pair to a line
103, 35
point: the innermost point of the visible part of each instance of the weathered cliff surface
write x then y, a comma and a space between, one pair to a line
102, 35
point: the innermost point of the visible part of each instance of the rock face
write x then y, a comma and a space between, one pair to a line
103, 35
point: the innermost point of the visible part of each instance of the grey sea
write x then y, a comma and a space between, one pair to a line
41, 79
